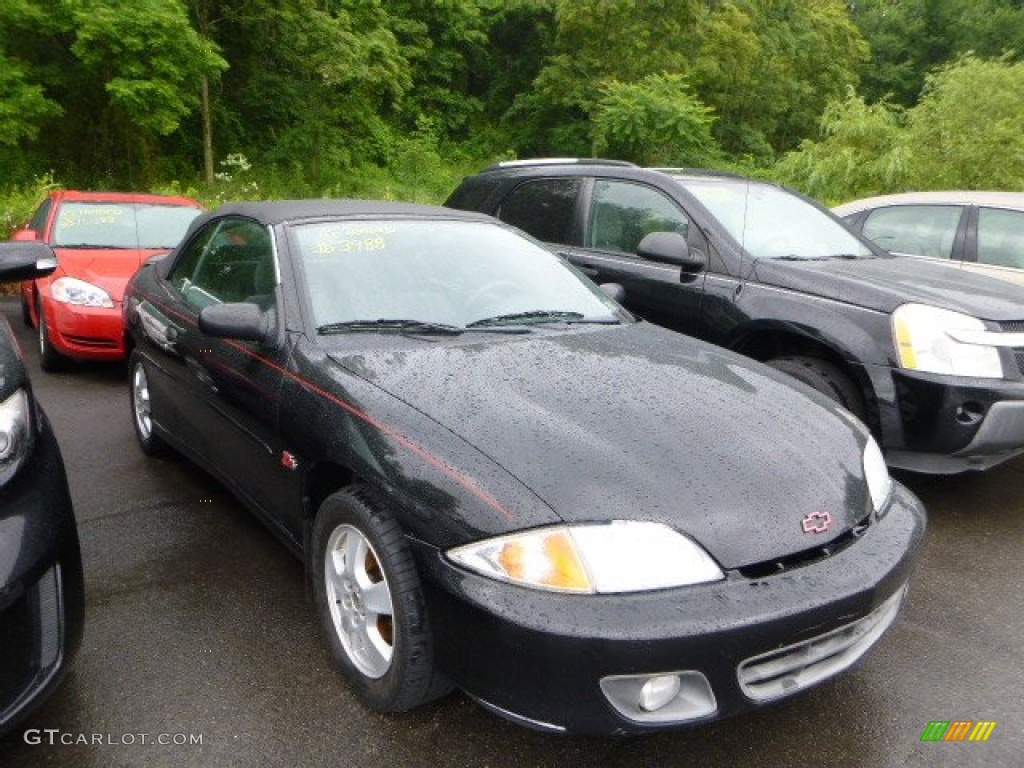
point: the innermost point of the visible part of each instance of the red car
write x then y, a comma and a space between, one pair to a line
100, 239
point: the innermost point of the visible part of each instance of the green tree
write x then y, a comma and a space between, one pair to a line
910, 38
862, 153
24, 105
656, 121
312, 83
964, 134
769, 67
966, 129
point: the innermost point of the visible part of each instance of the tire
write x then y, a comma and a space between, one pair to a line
142, 409
26, 312
50, 360
361, 561
827, 378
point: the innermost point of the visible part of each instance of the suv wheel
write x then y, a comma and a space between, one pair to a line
827, 378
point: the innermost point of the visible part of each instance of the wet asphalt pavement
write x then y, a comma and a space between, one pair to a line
198, 629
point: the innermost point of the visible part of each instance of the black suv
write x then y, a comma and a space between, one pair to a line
929, 357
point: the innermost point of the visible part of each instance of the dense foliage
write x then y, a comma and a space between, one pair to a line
269, 98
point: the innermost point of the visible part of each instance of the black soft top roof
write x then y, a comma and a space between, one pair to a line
279, 211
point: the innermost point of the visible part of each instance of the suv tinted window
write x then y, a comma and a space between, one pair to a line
622, 213
1001, 237
545, 209
921, 230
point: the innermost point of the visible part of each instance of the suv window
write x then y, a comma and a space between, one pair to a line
622, 213
230, 260
920, 230
1001, 237
545, 209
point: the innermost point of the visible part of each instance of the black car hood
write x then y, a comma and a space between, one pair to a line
885, 283
635, 422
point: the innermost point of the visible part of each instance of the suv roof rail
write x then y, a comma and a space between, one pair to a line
701, 172
558, 161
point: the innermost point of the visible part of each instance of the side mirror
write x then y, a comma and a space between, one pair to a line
672, 248
157, 257
613, 291
238, 320
24, 260
25, 235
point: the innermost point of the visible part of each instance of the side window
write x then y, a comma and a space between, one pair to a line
920, 230
622, 213
230, 260
1001, 237
38, 223
545, 209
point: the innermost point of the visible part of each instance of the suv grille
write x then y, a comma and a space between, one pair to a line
1015, 326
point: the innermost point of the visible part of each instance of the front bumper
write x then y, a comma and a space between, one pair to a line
541, 658
944, 424
41, 591
86, 333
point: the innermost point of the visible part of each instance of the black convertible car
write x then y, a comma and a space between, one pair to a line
500, 481
41, 591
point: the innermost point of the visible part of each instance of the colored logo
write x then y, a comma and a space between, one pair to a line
958, 730
816, 522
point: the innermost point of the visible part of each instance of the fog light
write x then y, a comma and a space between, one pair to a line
658, 691
666, 697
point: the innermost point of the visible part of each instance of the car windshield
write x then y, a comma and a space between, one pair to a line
121, 225
384, 274
770, 223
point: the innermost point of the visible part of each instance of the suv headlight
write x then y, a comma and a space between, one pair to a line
924, 338
622, 556
71, 290
15, 433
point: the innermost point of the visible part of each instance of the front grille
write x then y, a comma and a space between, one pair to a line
17, 650
30, 642
787, 670
1015, 326
89, 341
807, 556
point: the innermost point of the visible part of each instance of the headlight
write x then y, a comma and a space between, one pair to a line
924, 342
623, 556
71, 290
15, 433
877, 475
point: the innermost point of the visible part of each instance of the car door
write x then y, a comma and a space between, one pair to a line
230, 388
935, 231
998, 244
618, 214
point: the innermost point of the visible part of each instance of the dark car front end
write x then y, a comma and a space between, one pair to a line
737, 461
41, 585
579, 664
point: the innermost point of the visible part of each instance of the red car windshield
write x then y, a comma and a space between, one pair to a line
121, 225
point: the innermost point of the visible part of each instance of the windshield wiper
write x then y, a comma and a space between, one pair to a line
96, 246
829, 257
388, 324
538, 315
